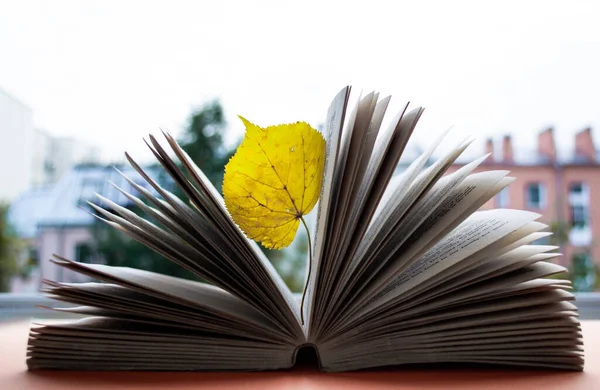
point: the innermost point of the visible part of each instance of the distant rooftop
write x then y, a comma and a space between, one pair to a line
61, 204
14, 99
546, 153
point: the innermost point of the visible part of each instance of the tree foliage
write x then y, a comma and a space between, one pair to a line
583, 271
9, 250
203, 141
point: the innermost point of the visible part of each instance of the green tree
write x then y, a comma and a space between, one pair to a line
9, 250
583, 272
560, 233
203, 141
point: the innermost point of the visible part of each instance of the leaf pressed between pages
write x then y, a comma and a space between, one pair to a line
273, 180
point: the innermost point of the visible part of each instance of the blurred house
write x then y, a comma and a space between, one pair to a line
53, 219
558, 184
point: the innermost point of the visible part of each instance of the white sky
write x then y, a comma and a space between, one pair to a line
109, 72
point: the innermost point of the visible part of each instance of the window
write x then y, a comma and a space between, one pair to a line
578, 205
576, 188
83, 252
32, 256
578, 216
535, 196
31, 262
89, 188
503, 198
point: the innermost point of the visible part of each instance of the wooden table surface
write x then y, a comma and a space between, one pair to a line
14, 374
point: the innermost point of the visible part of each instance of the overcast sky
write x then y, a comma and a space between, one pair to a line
109, 72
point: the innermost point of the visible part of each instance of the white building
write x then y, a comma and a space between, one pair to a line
55, 156
16, 146
30, 157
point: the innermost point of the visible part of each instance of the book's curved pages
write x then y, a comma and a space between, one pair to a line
405, 270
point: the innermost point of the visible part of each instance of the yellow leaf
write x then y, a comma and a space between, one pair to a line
274, 179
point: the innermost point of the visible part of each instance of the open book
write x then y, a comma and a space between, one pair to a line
405, 270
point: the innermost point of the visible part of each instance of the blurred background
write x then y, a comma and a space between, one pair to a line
81, 82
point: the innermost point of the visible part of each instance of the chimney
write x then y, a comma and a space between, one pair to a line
507, 150
489, 149
546, 146
584, 146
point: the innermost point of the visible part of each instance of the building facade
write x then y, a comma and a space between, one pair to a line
560, 185
16, 146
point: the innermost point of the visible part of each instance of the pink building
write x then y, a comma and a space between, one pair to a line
559, 186
53, 220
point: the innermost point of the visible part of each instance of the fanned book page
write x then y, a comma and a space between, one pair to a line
405, 268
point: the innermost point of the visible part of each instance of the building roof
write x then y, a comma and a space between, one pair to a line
546, 153
14, 99
531, 157
61, 204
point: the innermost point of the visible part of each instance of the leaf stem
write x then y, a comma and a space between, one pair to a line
309, 269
